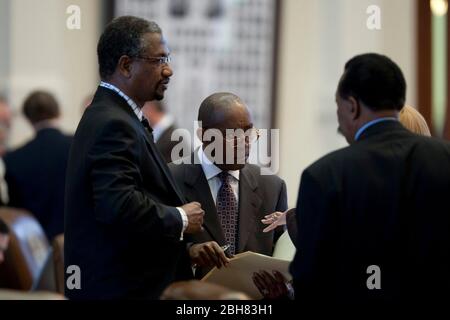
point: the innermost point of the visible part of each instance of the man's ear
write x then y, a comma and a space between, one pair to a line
355, 107
124, 66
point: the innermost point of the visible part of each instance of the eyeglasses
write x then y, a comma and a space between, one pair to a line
249, 136
159, 60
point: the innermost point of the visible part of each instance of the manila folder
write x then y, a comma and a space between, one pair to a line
238, 275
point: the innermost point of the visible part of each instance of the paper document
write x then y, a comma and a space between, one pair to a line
238, 274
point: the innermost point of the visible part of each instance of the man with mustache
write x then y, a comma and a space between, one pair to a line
124, 215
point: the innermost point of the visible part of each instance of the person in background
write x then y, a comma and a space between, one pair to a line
5, 125
412, 120
163, 126
200, 290
35, 172
4, 240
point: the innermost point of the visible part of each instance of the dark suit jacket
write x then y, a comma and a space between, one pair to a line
381, 201
259, 195
122, 228
35, 174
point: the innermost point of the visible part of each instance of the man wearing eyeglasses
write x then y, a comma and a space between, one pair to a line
234, 195
125, 218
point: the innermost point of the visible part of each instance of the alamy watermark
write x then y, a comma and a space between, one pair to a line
73, 21
373, 21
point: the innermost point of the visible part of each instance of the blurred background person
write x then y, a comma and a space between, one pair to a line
200, 290
5, 125
163, 125
412, 120
4, 240
35, 172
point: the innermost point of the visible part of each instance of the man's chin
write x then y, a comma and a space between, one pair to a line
159, 96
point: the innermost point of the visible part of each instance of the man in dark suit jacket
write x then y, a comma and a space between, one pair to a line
373, 218
35, 172
125, 216
256, 195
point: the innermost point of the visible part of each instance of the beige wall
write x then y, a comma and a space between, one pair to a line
43, 53
317, 38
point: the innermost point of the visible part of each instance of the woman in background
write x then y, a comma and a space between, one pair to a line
412, 120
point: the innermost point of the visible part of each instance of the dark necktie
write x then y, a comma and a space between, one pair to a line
147, 126
227, 209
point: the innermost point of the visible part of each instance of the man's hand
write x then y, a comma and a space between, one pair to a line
271, 286
194, 213
208, 254
274, 220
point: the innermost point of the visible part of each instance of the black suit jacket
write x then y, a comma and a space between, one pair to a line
35, 174
122, 228
259, 195
382, 201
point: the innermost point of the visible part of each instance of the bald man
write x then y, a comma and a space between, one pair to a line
234, 194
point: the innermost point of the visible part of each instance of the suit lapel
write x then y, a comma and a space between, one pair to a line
162, 164
249, 204
198, 189
104, 93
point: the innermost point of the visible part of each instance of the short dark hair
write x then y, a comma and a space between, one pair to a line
211, 107
3, 227
375, 80
122, 36
40, 106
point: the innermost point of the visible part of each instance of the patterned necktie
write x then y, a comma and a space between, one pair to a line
227, 209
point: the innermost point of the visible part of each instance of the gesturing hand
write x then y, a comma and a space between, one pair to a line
274, 220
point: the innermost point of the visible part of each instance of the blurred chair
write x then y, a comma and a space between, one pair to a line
199, 290
58, 259
27, 253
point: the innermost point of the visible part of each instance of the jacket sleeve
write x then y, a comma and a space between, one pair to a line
313, 262
117, 185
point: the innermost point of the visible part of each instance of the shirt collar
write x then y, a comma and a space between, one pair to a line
371, 123
137, 111
210, 169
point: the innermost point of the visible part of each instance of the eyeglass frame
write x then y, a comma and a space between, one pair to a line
238, 139
163, 60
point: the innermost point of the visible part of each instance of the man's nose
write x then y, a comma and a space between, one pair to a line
167, 71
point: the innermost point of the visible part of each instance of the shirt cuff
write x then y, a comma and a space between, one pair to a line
184, 218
